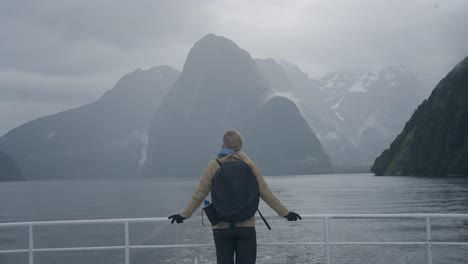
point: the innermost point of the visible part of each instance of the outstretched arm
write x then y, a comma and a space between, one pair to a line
267, 195
202, 190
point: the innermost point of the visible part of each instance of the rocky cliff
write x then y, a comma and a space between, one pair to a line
434, 141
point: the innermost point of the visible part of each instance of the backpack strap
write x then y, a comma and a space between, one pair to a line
219, 162
264, 220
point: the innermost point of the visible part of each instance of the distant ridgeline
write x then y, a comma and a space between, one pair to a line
353, 113
220, 88
9, 171
434, 141
103, 139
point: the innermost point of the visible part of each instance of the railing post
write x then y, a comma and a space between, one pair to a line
429, 240
127, 244
327, 239
31, 245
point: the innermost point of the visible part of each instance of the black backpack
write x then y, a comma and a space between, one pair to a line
235, 194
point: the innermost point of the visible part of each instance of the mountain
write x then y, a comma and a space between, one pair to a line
9, 171
276, 77
434, 142
354, 114
283, 143
106, 138
368, 109
222, 88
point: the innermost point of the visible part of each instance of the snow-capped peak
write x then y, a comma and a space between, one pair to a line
361, 85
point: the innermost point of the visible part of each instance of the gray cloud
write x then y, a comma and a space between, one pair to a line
15, 113
17, 86
357, 34
75, 37
65, 53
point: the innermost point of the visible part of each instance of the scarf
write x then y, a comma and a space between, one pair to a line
225, 151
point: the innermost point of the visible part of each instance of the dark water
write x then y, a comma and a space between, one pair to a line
358, 193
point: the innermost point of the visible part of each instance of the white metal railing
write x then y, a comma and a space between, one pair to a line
326, 217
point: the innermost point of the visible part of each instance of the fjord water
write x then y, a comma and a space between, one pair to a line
342, 193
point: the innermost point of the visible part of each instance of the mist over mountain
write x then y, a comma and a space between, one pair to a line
355, 114
9, 171
106, 138
368, 109
434, 142
151, 120
282, 142
221, 88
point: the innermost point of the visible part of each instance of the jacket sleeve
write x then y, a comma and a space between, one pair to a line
204, 187
267, 195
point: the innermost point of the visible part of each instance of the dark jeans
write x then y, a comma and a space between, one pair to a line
239, 240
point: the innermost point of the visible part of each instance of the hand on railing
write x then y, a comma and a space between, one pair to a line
177, 218
292, 216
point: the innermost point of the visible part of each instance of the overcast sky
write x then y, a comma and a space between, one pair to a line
58, 54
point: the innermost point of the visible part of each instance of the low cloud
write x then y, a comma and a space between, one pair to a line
69, 52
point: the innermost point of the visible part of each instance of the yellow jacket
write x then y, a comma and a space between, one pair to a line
204, 188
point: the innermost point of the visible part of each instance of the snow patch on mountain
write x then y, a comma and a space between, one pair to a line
51, 134
389, 75
329, 85
337, 104
361, 85
331, 135
339, 116
358, 87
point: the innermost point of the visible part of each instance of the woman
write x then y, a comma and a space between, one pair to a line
238, 238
